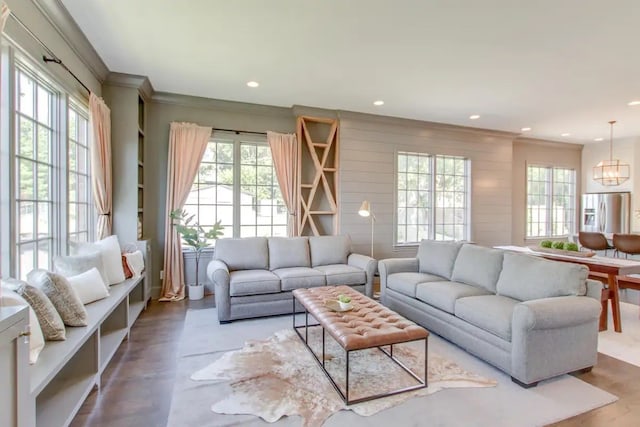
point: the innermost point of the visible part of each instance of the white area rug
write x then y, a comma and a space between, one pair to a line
626, 345
204, 341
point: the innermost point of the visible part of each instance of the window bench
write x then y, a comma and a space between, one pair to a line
67, 371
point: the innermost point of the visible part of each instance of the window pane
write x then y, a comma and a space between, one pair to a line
26, 182
413, 197
27, 137
26, 261
44, 106
25, 224
26, 95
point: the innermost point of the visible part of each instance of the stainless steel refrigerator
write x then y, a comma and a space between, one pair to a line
605, 212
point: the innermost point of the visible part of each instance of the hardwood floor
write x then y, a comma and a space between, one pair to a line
137, 385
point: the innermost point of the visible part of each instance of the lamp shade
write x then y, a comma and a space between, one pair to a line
611, 172
365, 209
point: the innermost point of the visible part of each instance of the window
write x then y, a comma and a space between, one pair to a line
34, 166
551, 200
80, 210
236, 184
432, 198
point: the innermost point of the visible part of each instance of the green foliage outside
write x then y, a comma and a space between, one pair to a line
568, 246
558, 245
546, 244
194, 235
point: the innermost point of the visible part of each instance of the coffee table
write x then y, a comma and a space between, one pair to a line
368, 325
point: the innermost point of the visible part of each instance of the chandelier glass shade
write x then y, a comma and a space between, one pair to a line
611, 172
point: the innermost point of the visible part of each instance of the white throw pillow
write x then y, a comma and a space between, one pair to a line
135, 261
109, 249
89, 286
36, 340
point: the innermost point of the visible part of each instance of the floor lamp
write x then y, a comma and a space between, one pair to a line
365, 211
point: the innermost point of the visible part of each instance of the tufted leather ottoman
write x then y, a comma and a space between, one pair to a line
368, 325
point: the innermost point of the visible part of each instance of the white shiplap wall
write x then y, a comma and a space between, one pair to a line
367, 171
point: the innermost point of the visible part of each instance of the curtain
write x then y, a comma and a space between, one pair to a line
4, 14
187, 143
100, 150
284, 150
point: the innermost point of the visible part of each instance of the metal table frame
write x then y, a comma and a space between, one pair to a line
345, 395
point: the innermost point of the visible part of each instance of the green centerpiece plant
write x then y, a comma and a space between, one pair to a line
558, 245
195, 236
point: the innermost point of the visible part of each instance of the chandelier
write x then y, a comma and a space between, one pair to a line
611, 172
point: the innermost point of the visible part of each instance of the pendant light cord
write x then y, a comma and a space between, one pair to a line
612, 122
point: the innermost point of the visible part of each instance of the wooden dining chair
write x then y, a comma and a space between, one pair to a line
594, 241
628, 244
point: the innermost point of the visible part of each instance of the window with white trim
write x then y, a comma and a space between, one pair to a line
236, 184
432, 193
80, 201
551, 201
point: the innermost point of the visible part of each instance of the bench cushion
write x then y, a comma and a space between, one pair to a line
327, 250
437, 257
299, 277
526, 277
340, 274
251, 282
406, 283
249, 253
478, 266
443, 295
285, 252
493, 313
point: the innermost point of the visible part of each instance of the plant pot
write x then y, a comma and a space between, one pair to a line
344, 305
196, 292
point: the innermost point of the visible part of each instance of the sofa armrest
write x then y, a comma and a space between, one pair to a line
369, 265
594, 289
218, 273
390, 266
556, 312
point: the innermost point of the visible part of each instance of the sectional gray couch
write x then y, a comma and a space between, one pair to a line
532, 318
254, 276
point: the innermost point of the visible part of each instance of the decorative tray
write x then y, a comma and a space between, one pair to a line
335, 306
578, 254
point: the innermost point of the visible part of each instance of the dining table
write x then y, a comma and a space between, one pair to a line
611, 267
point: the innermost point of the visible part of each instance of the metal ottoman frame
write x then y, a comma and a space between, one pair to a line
345, 395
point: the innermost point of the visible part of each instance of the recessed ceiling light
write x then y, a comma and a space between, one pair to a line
378, 102
253, 84
525, 129
632, 103
474, 116
598, 139
565, 134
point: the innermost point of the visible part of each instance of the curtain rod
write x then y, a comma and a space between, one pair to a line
53, 58
238, 131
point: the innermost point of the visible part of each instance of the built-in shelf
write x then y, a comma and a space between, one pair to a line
321, 212
306, 186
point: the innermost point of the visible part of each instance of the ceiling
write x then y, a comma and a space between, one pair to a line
558, 67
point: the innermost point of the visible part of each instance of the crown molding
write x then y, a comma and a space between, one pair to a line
141, 83
305, 110
59, 17
219, 104
422, 124
548, 143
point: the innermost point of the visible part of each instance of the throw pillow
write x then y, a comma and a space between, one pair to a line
135, 262
62, 295
89, 286
125, 267
36, 340
50, 321
109, 249
73, 265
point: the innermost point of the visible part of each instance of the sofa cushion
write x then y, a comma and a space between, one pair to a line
327, 250
526, 277
285, 252
341, 274
443, 295
406, 283
478, 266
437, 257
299, 277
249, 253
252, 282
493, 313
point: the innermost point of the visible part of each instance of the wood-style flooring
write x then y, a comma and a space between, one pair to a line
138, 383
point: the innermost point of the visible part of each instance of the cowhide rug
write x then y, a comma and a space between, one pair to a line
279, 377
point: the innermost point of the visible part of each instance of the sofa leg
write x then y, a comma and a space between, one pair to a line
523, 385
584, 371
225, 322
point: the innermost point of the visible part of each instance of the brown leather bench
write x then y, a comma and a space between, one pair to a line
368, 325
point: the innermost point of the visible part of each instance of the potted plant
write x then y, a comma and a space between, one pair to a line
198, 239
344, 302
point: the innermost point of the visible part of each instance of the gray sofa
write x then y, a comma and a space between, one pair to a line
530, 317
254, 276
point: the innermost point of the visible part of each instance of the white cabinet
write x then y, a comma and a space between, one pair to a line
14, 357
